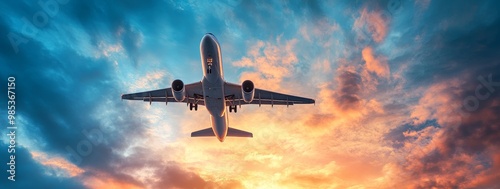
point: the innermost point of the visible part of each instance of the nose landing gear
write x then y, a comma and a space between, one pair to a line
235, 108
191, 106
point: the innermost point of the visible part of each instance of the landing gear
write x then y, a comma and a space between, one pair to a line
235, 108
191, 106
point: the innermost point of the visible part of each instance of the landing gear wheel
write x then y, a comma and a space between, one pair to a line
191, 106
235, 108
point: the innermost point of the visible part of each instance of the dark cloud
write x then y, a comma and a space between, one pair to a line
59, 93
468, 54
471, 55
63, 91
174, 176
478, 133
451, 53
170, 174
349, 90
396, 138
136, 24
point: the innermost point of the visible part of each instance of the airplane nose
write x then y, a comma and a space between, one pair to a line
207, 41
207, 38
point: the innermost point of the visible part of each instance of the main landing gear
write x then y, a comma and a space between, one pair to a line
235, 108
191, 106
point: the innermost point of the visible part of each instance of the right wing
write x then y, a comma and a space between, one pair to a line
262, 97
194, 94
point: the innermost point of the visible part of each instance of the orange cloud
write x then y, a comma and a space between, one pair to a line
58, 164
490, 177
374, 64
108, 182
440, 102
459, 151
374, 23
270, 63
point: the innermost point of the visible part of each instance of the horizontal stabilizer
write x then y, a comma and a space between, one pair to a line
203, 133
232, 132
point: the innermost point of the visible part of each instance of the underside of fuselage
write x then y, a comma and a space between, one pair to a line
213, 84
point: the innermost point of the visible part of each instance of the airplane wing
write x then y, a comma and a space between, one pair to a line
262, 97
194, 94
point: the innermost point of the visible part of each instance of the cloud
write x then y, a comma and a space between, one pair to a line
402, 132
460, 145
32, 174
440, 101
373, 24
59, 164
269, 63
349, 90
374, 64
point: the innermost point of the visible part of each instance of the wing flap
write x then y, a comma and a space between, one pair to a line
171, 99
264, 97
193, 93
263, 102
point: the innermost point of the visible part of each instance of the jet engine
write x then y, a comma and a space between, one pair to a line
247, 91
178, 90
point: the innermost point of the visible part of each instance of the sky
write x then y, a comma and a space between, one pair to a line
407, 94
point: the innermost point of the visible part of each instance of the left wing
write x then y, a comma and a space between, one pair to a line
234, 97
194, 94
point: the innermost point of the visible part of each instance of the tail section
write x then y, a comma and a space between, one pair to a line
232, 132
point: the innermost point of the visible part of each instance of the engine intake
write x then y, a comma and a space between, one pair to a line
247, 91
178, 90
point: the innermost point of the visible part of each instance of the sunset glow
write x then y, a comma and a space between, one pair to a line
407, 94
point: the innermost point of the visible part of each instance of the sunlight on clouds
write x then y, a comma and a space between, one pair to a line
269, 63
108, 49
439, 101
375, 64
292, 148
372, 22
60, 166
150, 80
102, 181
388, 88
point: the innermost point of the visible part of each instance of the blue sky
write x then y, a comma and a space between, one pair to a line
396, 84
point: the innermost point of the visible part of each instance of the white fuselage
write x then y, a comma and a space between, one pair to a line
213, 84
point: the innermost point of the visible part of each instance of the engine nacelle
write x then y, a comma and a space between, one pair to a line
178, 90
247, 91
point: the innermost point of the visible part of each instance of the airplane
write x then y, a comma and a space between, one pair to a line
216, 94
